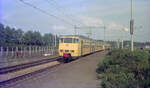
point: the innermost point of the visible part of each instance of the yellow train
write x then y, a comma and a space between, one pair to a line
73, 46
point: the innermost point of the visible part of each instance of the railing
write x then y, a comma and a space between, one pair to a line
15, 55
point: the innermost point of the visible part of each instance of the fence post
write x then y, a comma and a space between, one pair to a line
6, 51
48, 50
52, 50
42, 50
29, 50
36, 50
1, 51
39, 53
21, 51
12, 52
16, 51
33, 51
24, 51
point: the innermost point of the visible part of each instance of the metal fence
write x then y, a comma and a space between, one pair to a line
26, 52
10, 55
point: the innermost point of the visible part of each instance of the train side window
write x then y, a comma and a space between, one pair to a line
76, 40
61, 40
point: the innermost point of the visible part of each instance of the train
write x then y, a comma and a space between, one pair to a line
74, 46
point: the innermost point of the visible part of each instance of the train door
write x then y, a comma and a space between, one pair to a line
81, 47
90, 46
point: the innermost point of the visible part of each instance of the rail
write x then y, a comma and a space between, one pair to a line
26, 65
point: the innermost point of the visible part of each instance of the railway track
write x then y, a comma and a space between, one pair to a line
20, 67
26, 65
13, 69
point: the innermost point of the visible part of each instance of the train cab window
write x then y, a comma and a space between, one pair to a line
76, 40
67, 40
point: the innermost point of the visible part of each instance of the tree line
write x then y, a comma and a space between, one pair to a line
17, 37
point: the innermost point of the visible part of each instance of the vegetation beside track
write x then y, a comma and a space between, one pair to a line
125, 69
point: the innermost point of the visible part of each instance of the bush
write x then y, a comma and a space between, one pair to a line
125, 69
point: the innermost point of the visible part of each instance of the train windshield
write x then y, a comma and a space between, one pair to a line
69, 40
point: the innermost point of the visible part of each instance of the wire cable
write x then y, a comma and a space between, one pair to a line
45, 12
59, 8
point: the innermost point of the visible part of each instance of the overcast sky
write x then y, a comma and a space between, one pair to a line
115, 14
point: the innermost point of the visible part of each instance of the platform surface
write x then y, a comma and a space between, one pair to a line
13, 62
77, 74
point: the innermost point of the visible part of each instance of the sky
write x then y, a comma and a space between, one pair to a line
63, 15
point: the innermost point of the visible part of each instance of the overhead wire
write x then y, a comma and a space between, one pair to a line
60, 8
45, 12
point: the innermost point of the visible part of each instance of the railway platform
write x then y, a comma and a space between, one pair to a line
13, 62
76, 74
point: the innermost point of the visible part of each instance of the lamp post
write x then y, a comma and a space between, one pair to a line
104, 36
132, 26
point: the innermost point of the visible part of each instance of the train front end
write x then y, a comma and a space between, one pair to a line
68, 48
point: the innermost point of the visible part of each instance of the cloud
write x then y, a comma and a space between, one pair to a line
59, 29
90, 21
125, 29
55, 27
115, 26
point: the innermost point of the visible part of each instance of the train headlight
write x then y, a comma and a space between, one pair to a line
72, 50
61, 50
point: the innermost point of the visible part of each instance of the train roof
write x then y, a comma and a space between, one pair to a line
79, 36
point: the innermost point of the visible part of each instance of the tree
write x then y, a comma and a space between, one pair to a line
11, 36
1, 34
19, 36
37, 38
48, 39
8, 35
32, 38
27, 38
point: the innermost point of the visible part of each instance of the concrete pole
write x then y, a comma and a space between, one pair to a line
132, 26
75, 30
118, 43
122, 44
132, 44
7, 50
104, 36
55, 40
